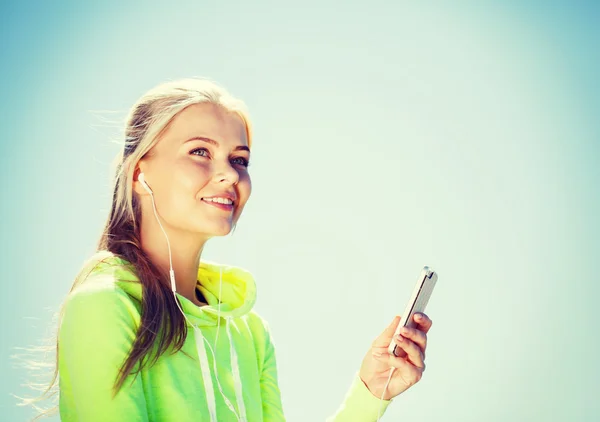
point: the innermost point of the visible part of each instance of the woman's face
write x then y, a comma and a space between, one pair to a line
203, 153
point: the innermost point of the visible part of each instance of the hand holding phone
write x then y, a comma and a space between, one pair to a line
417, 303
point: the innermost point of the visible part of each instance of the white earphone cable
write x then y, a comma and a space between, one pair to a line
382, 394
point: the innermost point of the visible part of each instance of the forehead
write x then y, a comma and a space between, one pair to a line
209, 120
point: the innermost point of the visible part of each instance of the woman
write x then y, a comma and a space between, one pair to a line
149, 331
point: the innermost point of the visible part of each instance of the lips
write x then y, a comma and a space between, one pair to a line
224, 195
224, 207
218, 202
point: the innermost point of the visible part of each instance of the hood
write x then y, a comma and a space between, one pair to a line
235, 297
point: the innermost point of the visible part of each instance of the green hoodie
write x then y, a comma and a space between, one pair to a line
100, 320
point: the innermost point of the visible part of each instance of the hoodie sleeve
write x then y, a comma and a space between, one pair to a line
359, 405
269, 388
95, 336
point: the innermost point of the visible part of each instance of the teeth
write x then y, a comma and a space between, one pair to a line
219, 200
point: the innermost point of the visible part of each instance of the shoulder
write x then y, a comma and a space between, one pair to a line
99, 289
100, 300
104, 288
98, 317
260, 328
257, 322
99, 322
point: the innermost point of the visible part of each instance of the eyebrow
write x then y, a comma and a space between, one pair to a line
215, 143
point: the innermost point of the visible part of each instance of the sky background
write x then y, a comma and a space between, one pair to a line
460, 135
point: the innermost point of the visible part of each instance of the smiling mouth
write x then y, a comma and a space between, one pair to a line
224, 207
225, 201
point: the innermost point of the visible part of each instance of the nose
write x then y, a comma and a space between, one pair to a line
226, 172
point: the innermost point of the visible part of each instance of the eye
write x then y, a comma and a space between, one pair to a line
241, 160
198, 149
244, 162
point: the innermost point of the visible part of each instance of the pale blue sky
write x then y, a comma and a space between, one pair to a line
389, 135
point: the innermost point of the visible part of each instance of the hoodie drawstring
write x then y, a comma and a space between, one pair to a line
239, 397
206, 378
208, 385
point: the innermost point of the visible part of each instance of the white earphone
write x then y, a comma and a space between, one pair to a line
144, 184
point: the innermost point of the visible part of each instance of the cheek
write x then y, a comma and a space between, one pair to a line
191, 179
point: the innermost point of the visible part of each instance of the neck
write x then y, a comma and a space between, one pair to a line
186, 251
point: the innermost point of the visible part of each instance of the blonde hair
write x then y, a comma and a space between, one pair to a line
146, 121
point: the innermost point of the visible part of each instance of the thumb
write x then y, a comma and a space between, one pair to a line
384, 338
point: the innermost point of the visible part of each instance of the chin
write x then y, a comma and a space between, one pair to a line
217, 229
223, 232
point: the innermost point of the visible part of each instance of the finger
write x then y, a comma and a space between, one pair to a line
386, 336
415, 355
417, 336
408, 370
423, 321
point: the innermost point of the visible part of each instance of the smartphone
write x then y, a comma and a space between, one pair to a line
418, 301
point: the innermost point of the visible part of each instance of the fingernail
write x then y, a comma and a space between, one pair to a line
400, 338
376, 354
404, 330
419, 316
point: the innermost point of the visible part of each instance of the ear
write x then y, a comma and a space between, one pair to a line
137, 185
